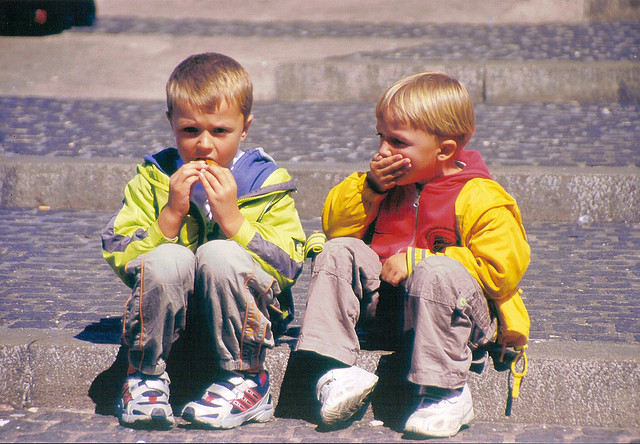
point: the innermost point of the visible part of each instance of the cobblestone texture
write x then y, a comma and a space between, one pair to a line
49, 425
515, 134
583, 283
586, 42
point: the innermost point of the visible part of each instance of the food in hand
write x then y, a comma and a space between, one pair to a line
207, 161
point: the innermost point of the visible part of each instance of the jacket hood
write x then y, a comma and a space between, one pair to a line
472, 167
249, 168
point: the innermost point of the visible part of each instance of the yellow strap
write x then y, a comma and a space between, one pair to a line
517, 376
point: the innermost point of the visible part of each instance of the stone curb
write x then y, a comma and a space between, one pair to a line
569, 384
492, 82
600, 194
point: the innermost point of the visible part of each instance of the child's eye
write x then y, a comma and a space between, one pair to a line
190, 129
392, 141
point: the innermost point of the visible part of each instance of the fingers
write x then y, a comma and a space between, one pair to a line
392, 166
216, 178
386, 170
394, 270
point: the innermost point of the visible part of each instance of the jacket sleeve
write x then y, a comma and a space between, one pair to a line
494, 246
350, 207
134, 229
276, 238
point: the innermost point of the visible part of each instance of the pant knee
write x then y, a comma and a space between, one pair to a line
169, 264
219, 257
442, 279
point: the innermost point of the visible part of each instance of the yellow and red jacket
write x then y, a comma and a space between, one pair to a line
466, 216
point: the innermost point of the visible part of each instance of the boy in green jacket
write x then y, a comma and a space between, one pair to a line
208, 223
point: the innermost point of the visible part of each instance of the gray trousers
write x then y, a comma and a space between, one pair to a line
443, 307
232, 293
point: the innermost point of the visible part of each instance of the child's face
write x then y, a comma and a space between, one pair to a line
205, 134
423, 149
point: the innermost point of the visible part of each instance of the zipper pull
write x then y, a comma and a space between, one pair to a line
416, 202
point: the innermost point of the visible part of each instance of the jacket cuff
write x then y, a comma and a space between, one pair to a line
157, 237
414, 256
245, 233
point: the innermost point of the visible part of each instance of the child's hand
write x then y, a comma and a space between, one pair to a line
177, 207
384, 171
222, 192
394, 270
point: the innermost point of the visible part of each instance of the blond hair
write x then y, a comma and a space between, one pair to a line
431, 101
206, 80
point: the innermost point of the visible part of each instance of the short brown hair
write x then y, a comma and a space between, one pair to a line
206, 80
432, 102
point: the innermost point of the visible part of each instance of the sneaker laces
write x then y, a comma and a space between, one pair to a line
435, 395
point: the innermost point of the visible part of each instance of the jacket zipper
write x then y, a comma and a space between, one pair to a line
416, 206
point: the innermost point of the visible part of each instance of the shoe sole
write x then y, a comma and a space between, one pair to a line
157, 419
262, 413
408, 428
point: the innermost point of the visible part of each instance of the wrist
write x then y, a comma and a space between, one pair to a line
169, 223
373, 185
232, 226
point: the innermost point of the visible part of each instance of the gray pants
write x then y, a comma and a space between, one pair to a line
232, 293
443, 306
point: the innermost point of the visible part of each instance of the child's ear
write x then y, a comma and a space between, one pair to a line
448, 148
247, 124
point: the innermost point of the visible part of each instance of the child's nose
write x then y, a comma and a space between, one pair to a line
206, 141
385, 149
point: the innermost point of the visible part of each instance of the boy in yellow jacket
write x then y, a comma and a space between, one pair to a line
427, 228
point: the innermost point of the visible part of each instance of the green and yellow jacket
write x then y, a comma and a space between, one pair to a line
272, 232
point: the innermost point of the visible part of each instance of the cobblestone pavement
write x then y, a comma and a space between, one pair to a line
528, 134
584, 279
50, 425
586, 42
583, 283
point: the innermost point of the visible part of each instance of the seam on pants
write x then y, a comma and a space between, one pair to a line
249, 299
246, 312
124, 318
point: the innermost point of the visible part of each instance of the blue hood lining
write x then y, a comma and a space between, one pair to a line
250, 170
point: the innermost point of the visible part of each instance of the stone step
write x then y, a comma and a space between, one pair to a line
61, 307
557, 194
567, 383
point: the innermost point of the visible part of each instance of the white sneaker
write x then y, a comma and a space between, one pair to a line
233, 401
441, 415
342, 392
145, 401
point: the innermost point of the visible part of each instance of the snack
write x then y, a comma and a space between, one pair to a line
207, 161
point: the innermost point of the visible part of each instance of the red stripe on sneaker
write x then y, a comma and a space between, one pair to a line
252, 395
240, 405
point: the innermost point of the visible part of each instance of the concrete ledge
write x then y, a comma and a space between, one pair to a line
570, 384
493, 82
543, 193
